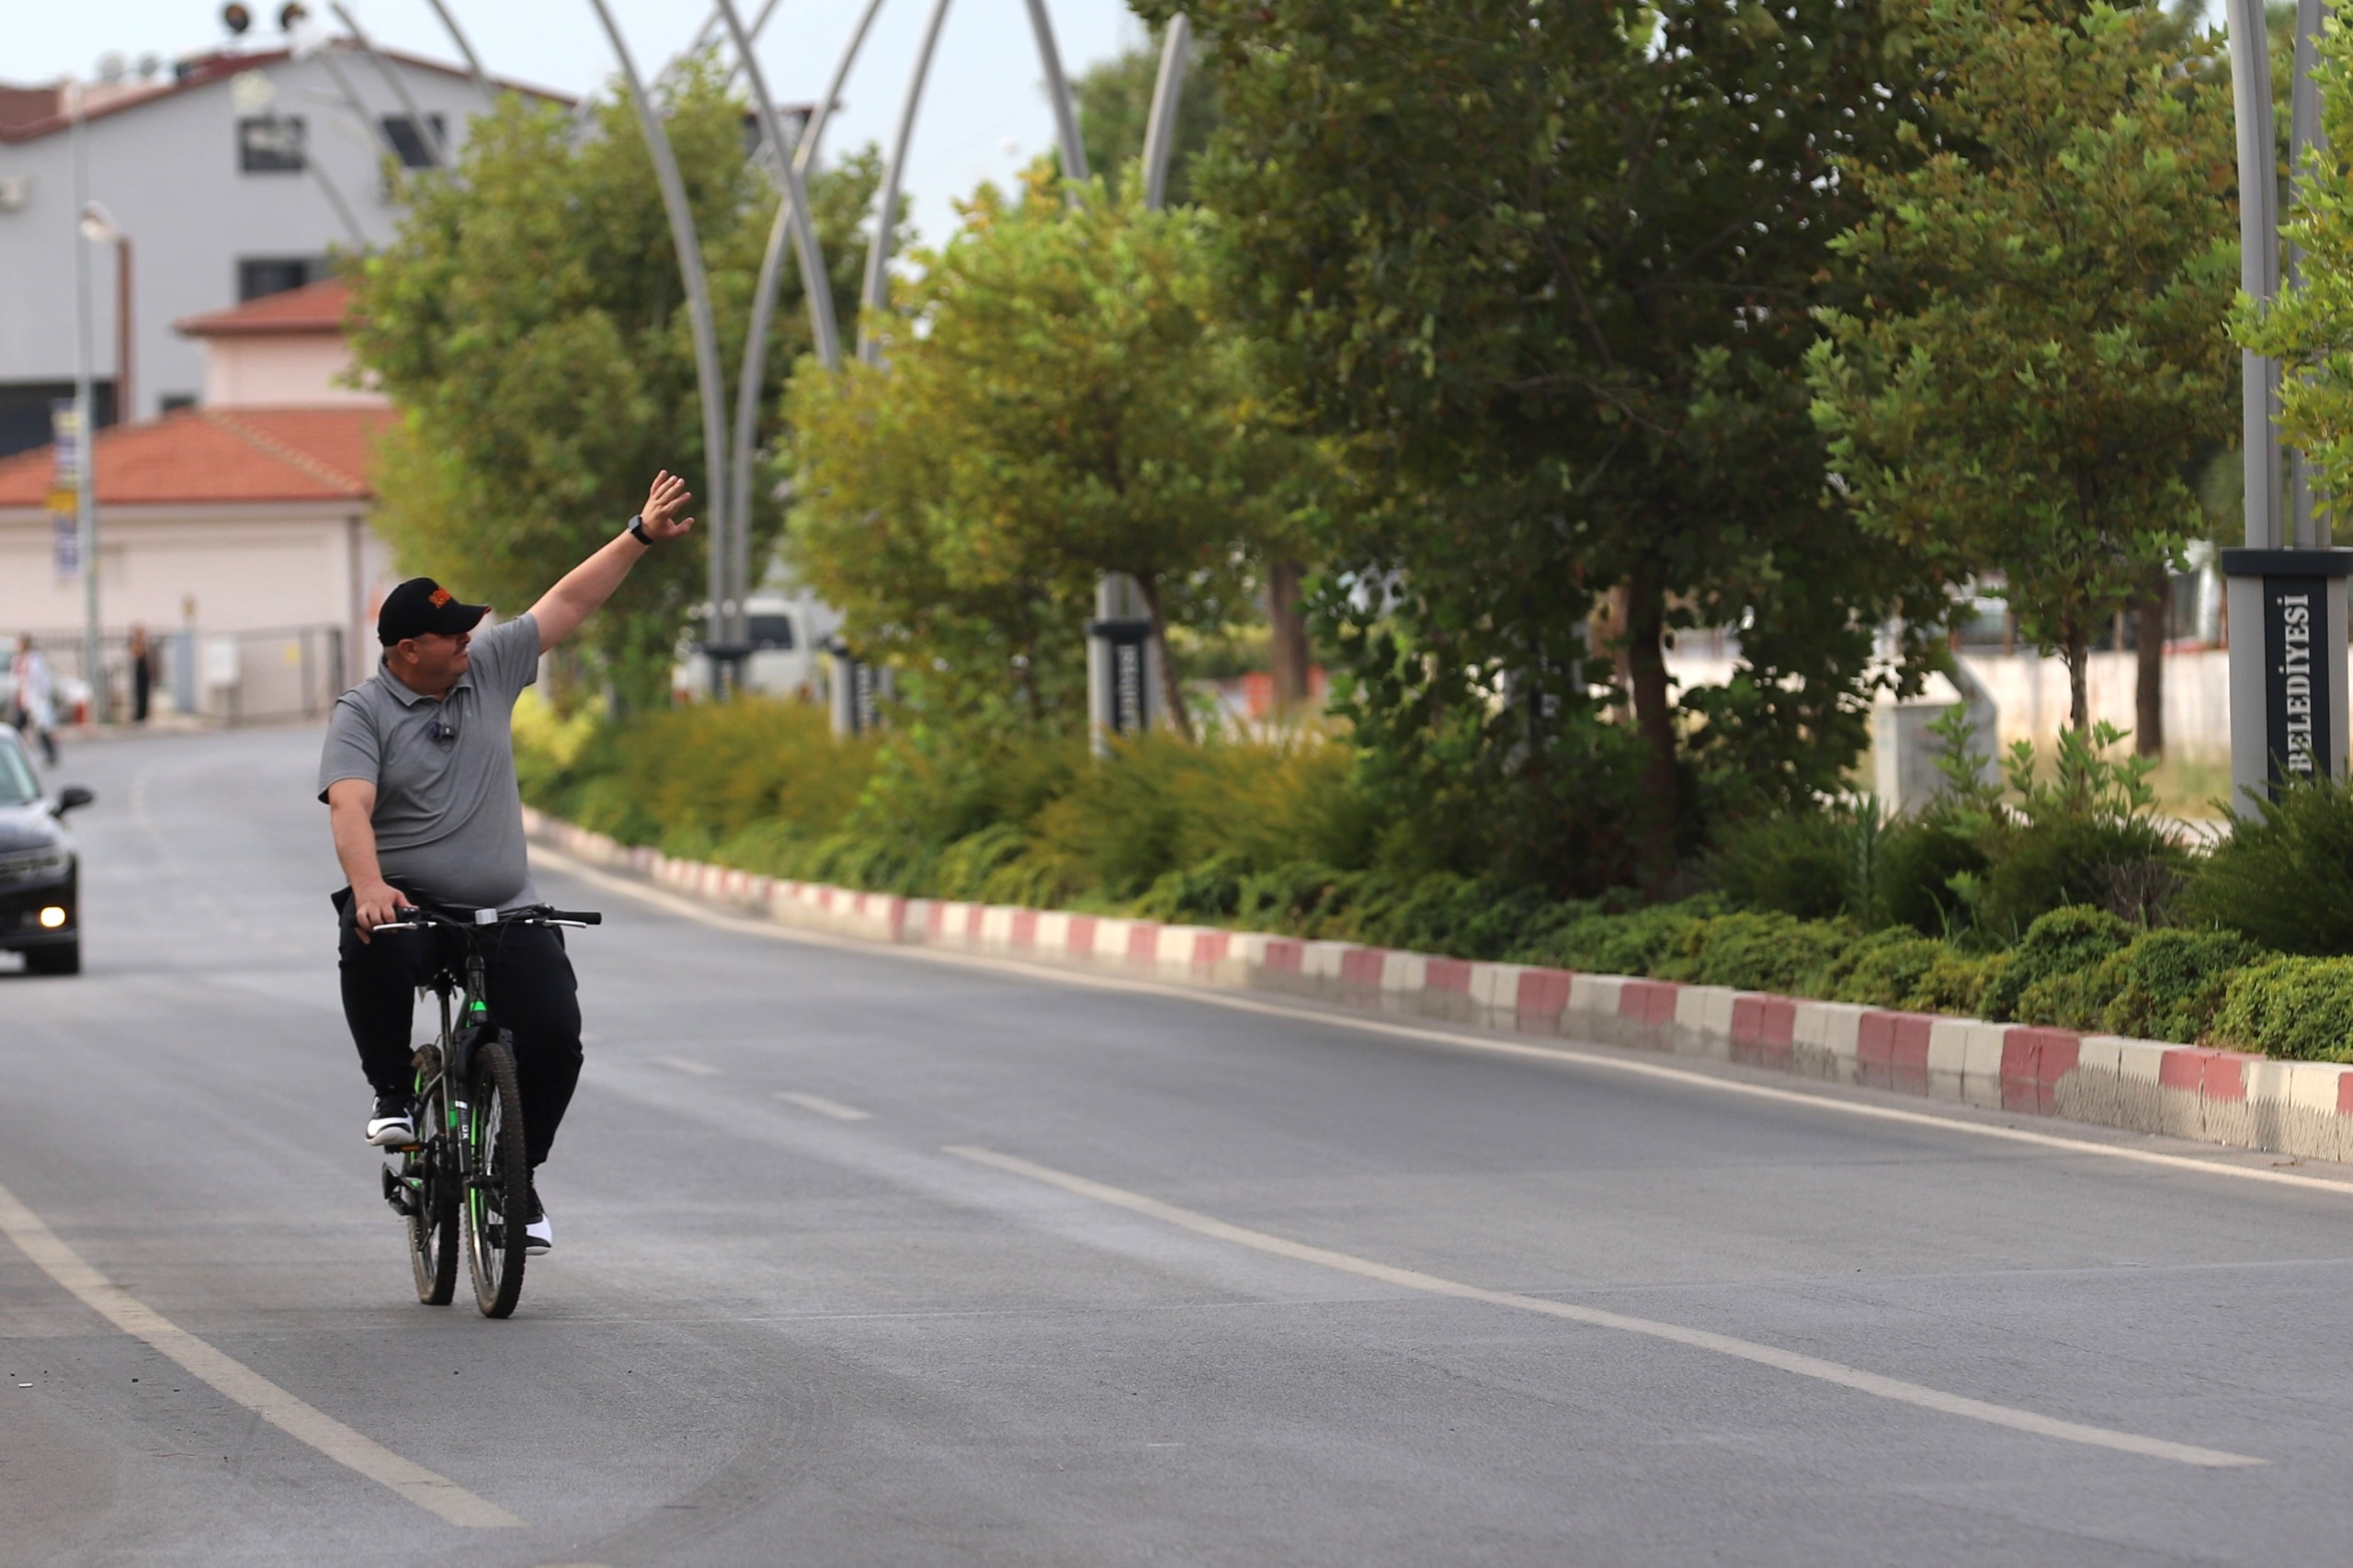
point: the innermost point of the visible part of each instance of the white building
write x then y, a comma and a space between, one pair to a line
238, 530
235, 179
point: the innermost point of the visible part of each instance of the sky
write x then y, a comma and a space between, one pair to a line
984, 112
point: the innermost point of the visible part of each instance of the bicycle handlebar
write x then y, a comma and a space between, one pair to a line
539, 914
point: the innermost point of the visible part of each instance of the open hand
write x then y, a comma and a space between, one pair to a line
663, 504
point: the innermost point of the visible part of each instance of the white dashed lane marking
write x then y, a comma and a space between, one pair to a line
825, 1106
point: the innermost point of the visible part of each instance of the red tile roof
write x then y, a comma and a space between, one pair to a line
209, 455
25, 117
313, 308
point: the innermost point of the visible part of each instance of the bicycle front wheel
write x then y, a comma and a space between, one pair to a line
498, 1178
432, 1208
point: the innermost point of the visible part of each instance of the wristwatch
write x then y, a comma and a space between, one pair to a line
637, 530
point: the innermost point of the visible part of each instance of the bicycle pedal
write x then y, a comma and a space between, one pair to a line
398, 1194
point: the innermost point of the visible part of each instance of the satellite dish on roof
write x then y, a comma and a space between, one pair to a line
236, 18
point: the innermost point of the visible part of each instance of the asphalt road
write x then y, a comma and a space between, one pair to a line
1036, 1272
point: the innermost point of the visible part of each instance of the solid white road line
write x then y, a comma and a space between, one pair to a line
825, 1106
691, 1068
1560, 1055
298, 1419
1698, 1339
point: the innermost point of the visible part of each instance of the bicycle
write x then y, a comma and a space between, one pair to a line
466, 1178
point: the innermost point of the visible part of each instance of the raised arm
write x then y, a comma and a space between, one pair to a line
563, 608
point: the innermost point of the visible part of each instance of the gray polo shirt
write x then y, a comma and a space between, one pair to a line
449, 816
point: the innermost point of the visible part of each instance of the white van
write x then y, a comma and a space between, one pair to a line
787, 633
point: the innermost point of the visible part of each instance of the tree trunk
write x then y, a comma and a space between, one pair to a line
1172, 690
1646, 654
1287, 628
2149, 676
2078, 653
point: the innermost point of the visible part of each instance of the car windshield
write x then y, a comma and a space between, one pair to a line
17, 786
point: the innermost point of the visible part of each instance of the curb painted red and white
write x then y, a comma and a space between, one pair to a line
2223, 1097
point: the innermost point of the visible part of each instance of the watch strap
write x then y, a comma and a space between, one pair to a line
637, 531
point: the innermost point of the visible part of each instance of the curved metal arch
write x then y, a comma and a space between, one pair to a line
465, 50
792, 213
426, 134
723, 615
1058, 93
1159, 129
878, 251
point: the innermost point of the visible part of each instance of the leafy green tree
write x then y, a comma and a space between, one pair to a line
1055, 402
2036, 368
530, 323
1115, 111
1549, 270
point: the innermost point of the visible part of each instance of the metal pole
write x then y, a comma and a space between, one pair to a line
1058, 93
2259, 264
426, 136
2308, 143
706, 334
877, 254
350, 91
1115, 592
86, 510
473, 61
1160, 129
791, 212
805, 156
126, 402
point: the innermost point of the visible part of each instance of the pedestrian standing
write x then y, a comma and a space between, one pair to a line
36, 697
142, 673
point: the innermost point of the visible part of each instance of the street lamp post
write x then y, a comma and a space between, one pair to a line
86, 510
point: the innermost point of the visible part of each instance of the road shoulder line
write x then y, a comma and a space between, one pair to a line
299, 1419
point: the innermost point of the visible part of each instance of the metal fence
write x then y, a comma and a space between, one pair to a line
269, 675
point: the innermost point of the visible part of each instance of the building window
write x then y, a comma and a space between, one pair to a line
25, 405
417, 151
262, 275
172, 403
271, 144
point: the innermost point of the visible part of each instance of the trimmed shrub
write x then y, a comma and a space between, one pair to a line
1886, 969
1917, 863
1756, 952
2126, 868
2284, 878
2168, 984
2295, 1008
2064, 941
1802, 864
1635, 943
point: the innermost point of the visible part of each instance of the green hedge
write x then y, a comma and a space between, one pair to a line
1276, 839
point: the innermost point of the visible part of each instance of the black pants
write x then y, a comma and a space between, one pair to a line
533, 996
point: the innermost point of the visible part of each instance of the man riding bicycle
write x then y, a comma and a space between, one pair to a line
418, 777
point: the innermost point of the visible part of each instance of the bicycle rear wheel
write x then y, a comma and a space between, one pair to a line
498, 1178
432, 1208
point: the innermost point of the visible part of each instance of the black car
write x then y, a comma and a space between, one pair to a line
39, 869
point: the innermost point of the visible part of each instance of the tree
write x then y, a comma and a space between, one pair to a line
530, 323
1054, 402
1549, 268
2036, 369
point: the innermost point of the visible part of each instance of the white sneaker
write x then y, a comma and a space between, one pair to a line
539, 1231
395, 1125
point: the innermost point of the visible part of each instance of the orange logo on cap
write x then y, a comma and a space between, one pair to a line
441, 598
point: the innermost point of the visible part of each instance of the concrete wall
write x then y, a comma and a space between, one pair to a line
247, 567
281, 371
169, 171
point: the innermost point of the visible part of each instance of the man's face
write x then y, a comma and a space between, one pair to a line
440, 659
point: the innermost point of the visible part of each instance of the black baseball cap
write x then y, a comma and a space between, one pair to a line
420, 606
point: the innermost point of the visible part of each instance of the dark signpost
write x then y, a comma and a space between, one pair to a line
1118, 653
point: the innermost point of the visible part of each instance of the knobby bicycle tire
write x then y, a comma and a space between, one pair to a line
433, 1219
498, 1178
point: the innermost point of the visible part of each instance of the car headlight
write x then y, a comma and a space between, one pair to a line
35, 865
